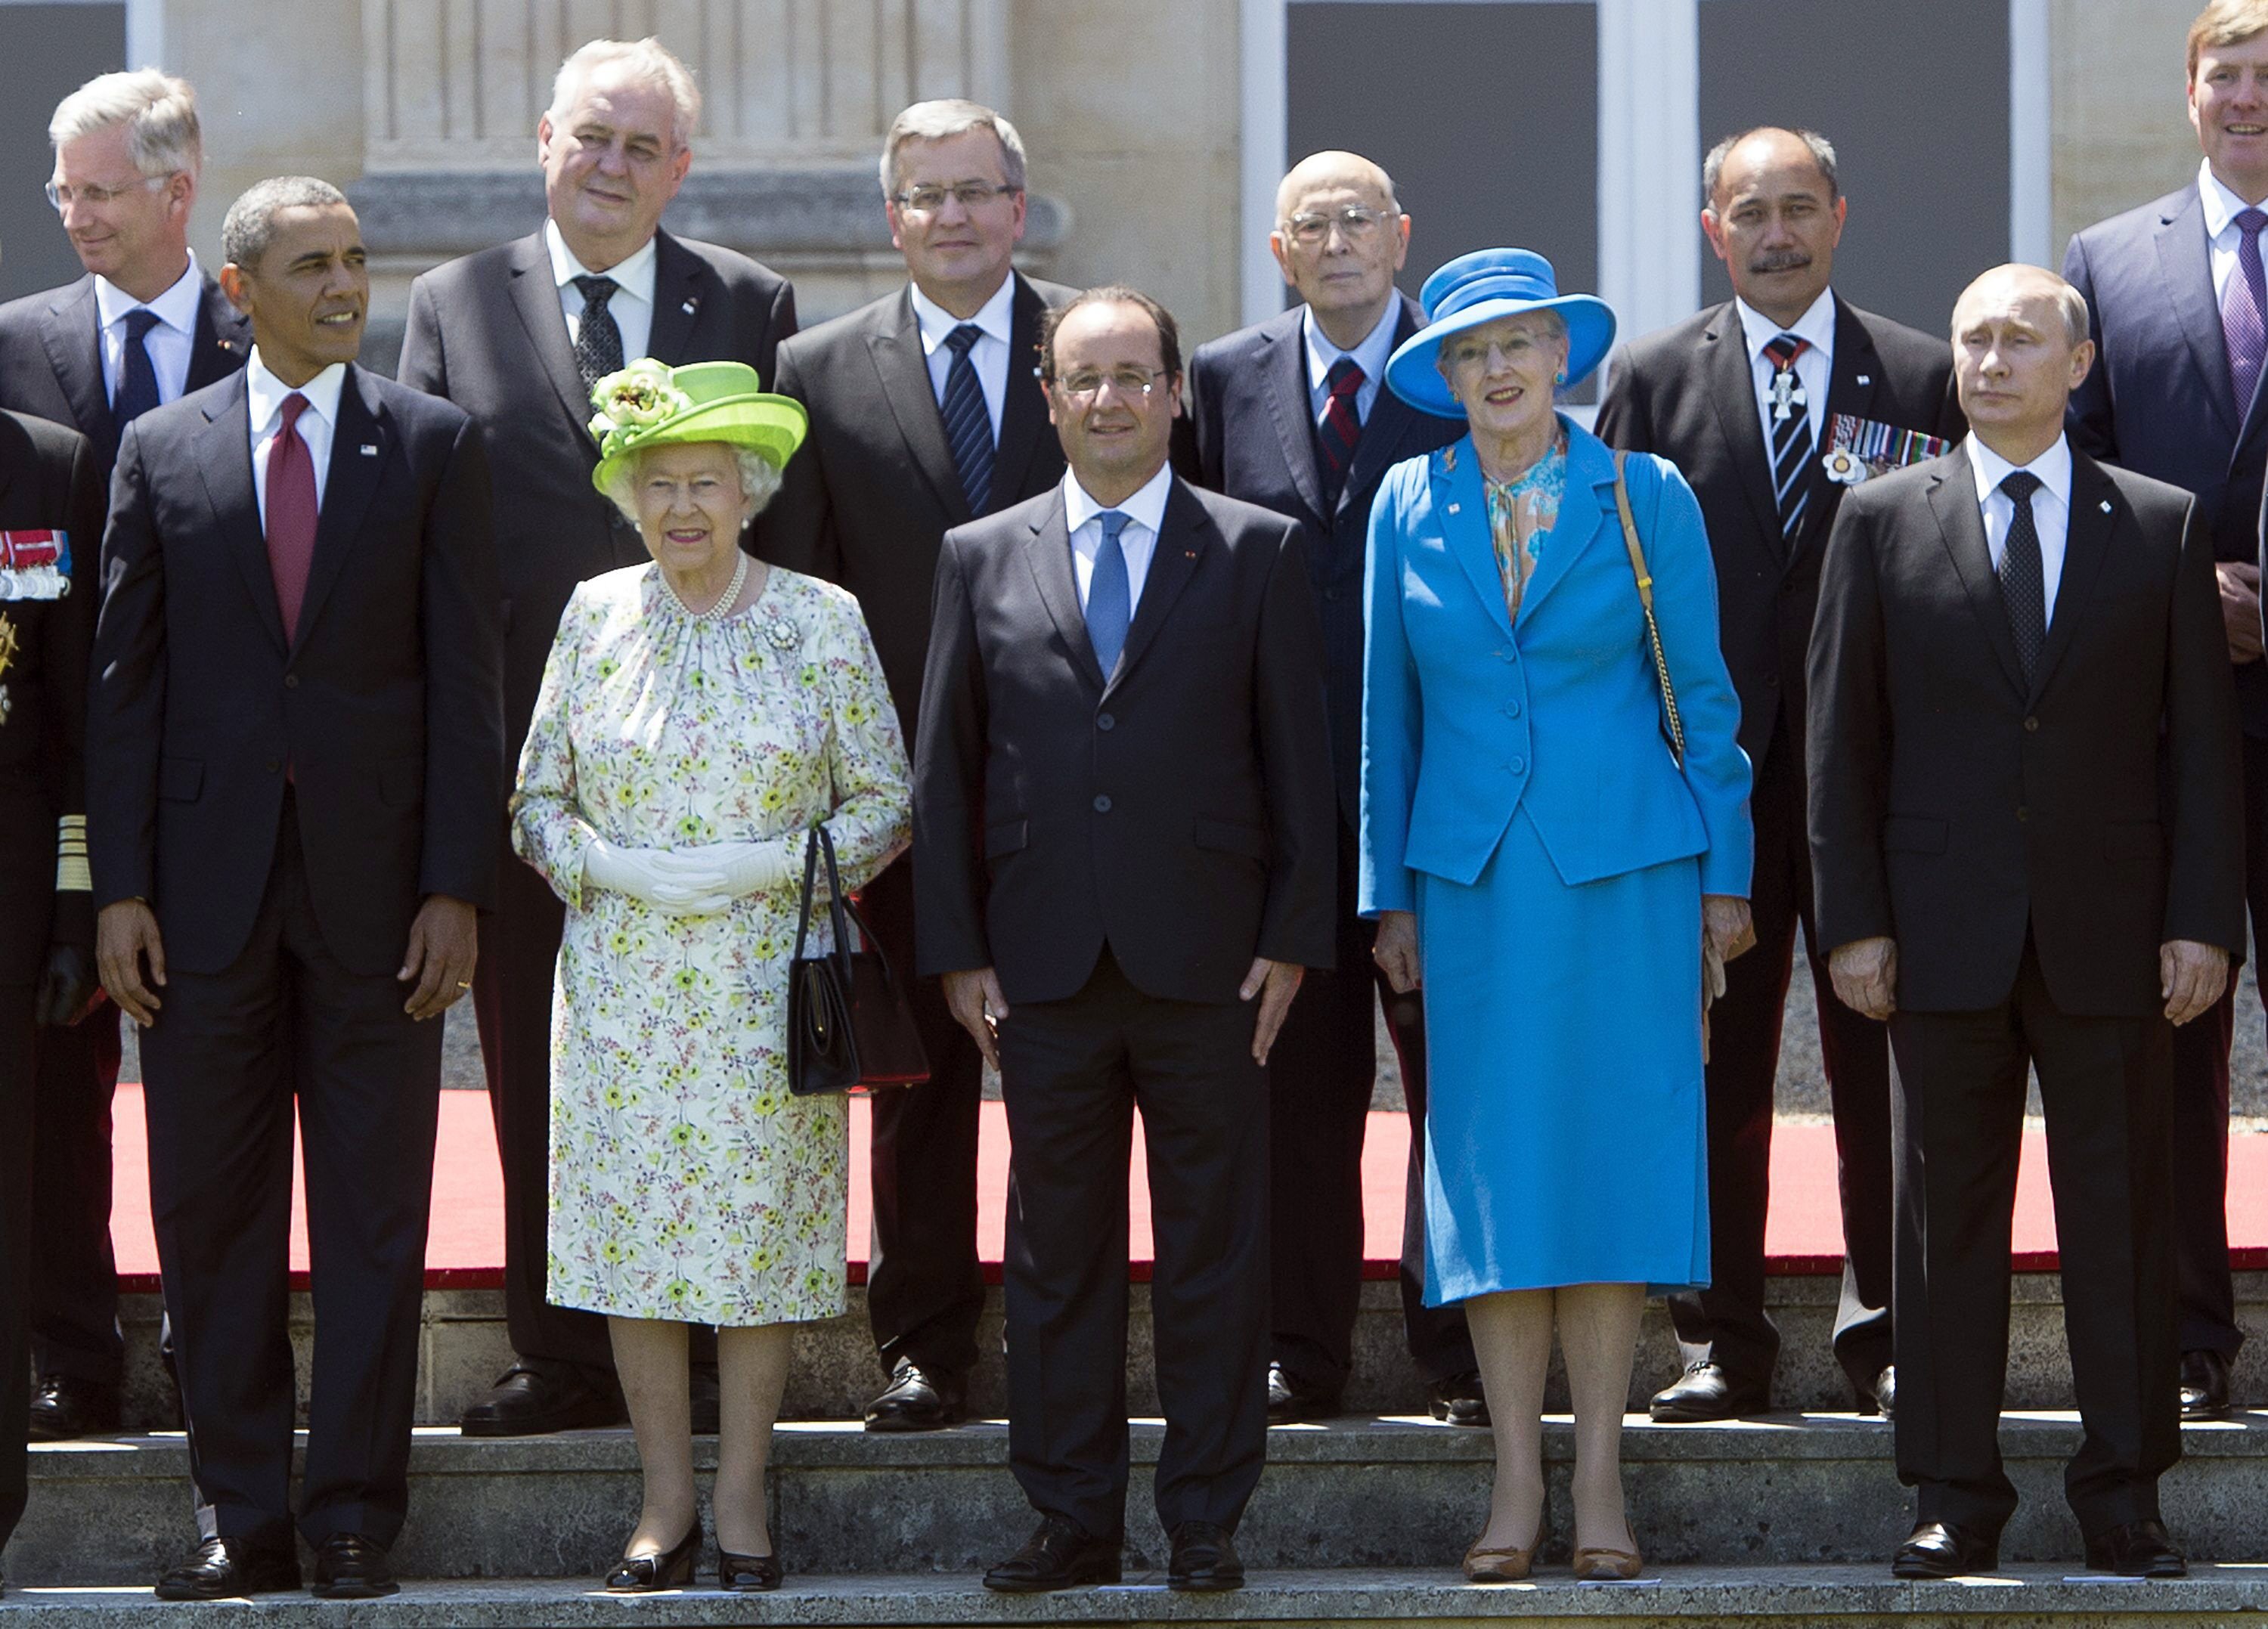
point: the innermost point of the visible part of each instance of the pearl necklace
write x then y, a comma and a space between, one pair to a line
725, 601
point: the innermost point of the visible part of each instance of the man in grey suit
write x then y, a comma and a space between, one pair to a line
1291, 414
516, 335
144, 326
925, 412
1122, 854
2178, 304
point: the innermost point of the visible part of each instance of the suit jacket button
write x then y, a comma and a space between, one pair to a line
1518, 766
1104, 721
1512, 710
2031, 724
1102, 803
2023, 814
290, 681
273, 766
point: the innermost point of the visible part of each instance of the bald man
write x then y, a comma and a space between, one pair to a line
2012, 642
1708, 394
1291, 414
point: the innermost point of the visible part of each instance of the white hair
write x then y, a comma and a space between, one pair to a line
649, 62
760, 480
949, 116
158, 110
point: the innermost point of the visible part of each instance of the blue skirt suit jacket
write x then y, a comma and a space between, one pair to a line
1519, 795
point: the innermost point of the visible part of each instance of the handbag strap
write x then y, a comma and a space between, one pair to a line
810, 869
1672, 723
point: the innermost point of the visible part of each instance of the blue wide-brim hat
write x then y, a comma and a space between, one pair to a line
1483, 287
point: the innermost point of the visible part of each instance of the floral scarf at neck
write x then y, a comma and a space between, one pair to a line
1522, 513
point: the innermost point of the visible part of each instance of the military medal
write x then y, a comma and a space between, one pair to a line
34, 565
1858, 448
1786, 395
7, 648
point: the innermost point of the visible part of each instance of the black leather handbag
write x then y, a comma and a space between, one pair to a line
850, 1027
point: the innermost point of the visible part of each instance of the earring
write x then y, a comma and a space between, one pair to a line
1560, 378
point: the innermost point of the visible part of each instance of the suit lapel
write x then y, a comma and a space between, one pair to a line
221, 341
904, 372
1587, 508
72, 332
1461, 506
536, 299
224, 462
1174, 557
347, 492
1282, 367
681, 288
1024, 407
2087, 544
1048, 551
1732, 387
1378, 449
2185, 260
1953, 499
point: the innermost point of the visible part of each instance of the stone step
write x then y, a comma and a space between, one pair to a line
1847, 1598
1392, 1492
465, 1347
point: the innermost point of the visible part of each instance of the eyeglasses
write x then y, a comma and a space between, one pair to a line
95, 197
1358, 223
1088, 383
929, 200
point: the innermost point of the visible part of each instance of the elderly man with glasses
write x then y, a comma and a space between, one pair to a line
145, 324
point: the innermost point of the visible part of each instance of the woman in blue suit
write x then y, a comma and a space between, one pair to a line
1536, 853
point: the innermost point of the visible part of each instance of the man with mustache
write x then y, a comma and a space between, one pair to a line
2179, 305
1748, 399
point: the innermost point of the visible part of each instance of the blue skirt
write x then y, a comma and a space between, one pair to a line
1565, 1141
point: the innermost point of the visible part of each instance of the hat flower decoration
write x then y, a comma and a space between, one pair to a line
637, 398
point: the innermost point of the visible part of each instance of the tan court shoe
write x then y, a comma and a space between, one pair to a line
1502, 1567
1597, 1562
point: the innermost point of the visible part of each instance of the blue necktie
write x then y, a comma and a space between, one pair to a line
968, 421
138, 377
1109, 599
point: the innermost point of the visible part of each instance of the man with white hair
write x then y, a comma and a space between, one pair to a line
517, 335
144, 325
926, 412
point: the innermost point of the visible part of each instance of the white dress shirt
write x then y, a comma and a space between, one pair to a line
265, 393
2221, 232
1145, 512
988, 356
1371, 355
1813, 369
631, 305
2050, 507
170, 339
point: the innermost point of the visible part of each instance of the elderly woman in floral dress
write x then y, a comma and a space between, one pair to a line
698, 715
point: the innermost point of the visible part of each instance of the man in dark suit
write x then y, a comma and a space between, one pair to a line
2025, 818
1124, 854
1291, 414
516, 336
1707, 395
51, 519
295, 761
925, 412
2178, 303
144, 325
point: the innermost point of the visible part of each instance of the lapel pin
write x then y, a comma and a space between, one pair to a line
1456, 509
2106, 505
369, 449
1865, 378
688, 308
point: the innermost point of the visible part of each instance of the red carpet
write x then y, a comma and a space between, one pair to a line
1804, 1233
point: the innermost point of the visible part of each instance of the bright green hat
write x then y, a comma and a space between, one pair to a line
649, 404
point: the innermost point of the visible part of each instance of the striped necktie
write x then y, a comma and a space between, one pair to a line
1341, 428
1790, 434
968, 421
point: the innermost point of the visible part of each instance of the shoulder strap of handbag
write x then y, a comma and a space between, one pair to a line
1672, 724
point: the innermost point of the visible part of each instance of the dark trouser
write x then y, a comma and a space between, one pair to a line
221, 1063
1727, 1323
2103, 1083
2207, 1298
925, 1289
74, 1272
1321, 1074
1074, 1072
16, 1133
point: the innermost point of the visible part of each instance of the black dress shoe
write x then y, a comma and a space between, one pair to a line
2204, 1385
1886, 1391
529, 1402
1059, 1555
1460, 1401
64, 1407
706, 1394
223, 1568
1940, 1550
1289, 1402
2138, 1550
916, 1399
1204, 1558
350, 1568
1708, 1392
666, 1569
747, 1574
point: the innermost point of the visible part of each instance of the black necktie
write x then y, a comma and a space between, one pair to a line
2023, 579
598, 342
1340, 429
137, 376
1790, 428
968, 421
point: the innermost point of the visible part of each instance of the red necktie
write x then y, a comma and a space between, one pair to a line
290, 513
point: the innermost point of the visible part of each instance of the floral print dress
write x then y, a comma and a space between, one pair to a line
686, 1183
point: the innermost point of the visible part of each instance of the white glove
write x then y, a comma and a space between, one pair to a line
665, 881
747, 867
